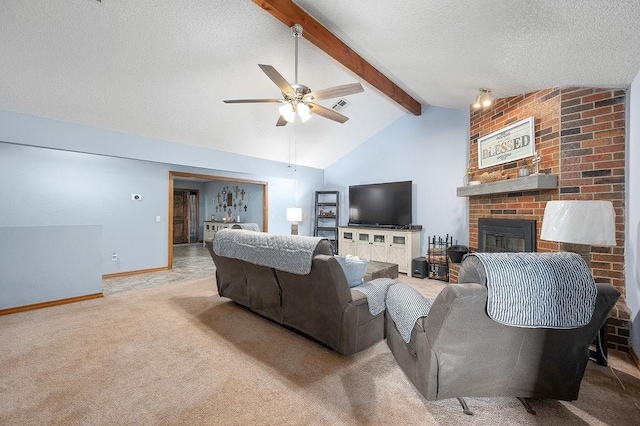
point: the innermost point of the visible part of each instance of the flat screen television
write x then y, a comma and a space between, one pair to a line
385, 205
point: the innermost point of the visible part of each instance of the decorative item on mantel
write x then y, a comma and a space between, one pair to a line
509, 144
466, 180
487, 177
536, 163
524, 170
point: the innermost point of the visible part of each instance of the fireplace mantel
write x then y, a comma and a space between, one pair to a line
523, 184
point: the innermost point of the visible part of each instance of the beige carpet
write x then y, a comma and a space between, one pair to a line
179, 354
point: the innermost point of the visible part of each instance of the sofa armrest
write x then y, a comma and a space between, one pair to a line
358, 298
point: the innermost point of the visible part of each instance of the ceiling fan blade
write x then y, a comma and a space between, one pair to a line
327, 113
278, 79
281, 122
250, 101
334, 92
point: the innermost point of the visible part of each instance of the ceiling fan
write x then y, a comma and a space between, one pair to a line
298, 98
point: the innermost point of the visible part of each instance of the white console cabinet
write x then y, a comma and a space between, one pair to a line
399, 246
211, 227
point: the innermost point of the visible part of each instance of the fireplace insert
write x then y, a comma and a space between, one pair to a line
506, 235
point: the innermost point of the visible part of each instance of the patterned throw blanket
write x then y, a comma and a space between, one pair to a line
552, 290
289, 253
405, 305
376, 291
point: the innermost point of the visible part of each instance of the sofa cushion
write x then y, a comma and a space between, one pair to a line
354, 268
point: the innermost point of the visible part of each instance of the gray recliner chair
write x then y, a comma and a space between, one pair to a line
457, 350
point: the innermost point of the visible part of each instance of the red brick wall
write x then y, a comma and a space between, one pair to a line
592, 158
544, 106
580, 136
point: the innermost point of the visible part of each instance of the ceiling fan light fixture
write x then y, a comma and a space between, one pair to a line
304, 112
298, 98
287, 112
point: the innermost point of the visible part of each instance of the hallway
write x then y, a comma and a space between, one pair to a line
190, 262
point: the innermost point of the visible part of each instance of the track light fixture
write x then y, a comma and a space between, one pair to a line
483, 99
478, 103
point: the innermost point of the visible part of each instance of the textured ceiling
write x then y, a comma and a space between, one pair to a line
162, 68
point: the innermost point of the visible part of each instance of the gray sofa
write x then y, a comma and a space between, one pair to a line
458, 350
318, 302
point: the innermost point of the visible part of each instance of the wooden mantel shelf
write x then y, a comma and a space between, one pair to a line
528, 183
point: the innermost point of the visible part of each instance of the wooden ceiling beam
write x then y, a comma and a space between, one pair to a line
290, 13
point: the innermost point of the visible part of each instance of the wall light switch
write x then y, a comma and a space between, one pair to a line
157, 218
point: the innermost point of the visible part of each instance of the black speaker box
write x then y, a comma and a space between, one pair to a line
419, 267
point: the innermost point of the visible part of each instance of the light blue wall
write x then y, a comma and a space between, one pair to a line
27, 129
431, 150
252, 199
44, 187
632, 247
63, 174
62, 262
57, 187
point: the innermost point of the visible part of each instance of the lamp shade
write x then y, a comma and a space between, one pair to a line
294, 214
580, 222
304, 112
287, 112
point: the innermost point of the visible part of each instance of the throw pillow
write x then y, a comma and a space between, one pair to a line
354, 268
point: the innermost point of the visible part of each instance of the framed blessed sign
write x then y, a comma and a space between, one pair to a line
509, 144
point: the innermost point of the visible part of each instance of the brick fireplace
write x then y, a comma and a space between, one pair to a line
580, 137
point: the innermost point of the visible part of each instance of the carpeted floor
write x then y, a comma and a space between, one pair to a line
179, 354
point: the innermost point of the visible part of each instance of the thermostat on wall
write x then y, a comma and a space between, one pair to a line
136, 197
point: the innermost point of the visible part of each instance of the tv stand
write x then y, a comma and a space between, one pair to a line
387, 245
410, 226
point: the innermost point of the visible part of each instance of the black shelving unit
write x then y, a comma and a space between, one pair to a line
327, 213
438, 257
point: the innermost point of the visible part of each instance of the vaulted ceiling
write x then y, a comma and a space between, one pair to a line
162, 68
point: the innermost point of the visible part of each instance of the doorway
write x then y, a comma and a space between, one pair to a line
186, 212
180, 224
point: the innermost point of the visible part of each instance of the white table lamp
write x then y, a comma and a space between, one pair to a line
579, 224
294, 215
